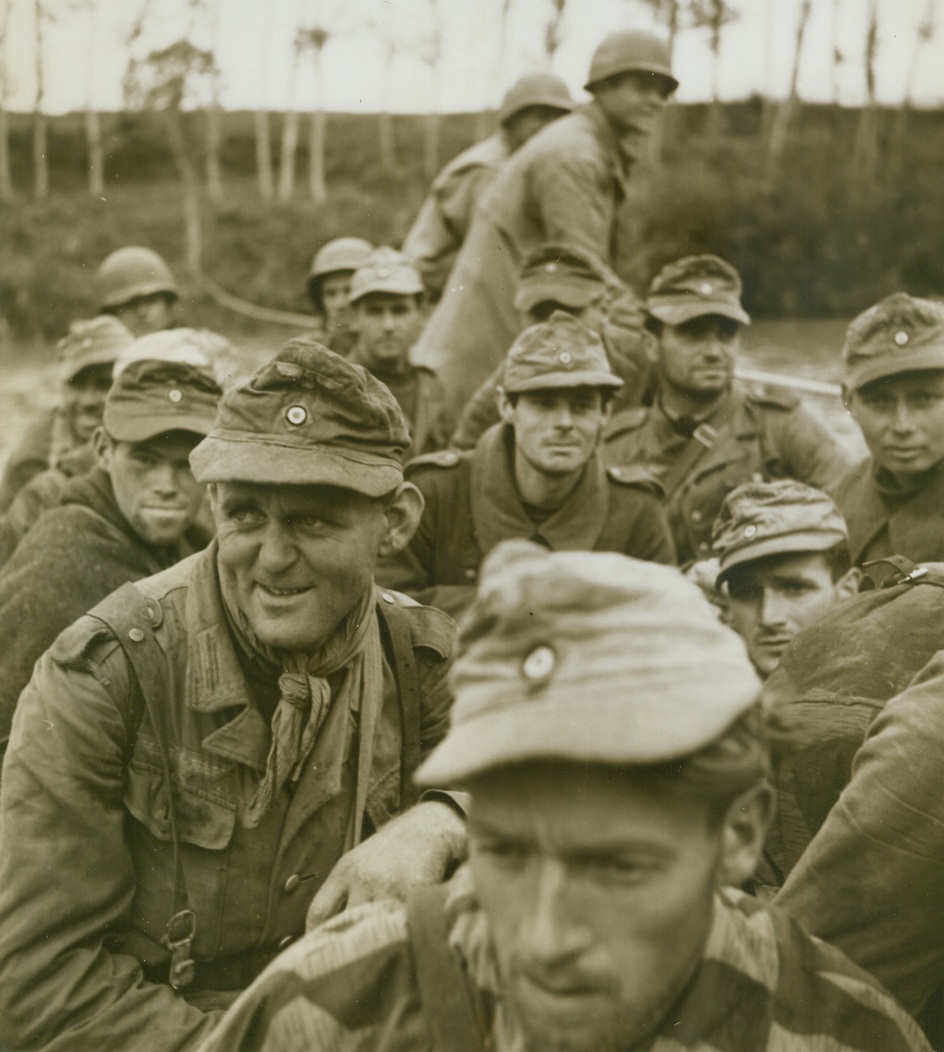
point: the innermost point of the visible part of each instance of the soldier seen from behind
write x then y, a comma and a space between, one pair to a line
386, 307
606, 727
537, 474
893, 382
704, 435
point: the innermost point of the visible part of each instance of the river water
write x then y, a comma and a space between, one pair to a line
806, 349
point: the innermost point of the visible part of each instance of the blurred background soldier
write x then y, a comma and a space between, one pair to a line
607, 729
329, 287
386, 317
136, 286
893, 379
86, 357
442, 223
130, 517
783, 554
537, 474
220, 749
564, 184
703, 435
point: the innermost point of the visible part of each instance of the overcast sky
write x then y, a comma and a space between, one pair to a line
252, 40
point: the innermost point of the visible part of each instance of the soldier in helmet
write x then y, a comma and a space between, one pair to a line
607, 730
136, 286
442, 223
386, 300
60, 436
564, 185
537, 474
704, 435
329, 288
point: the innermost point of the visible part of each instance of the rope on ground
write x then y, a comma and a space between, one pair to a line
253, 310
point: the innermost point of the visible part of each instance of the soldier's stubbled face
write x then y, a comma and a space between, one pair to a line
598, 892
902, 421
153, 485
297, 558
387, 326
556, 430
83, 400
697, 357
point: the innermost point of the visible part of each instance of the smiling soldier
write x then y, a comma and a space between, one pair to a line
190, 762
537, 474
893, 380
607, 729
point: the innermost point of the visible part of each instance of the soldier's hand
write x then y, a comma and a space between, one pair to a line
419, 847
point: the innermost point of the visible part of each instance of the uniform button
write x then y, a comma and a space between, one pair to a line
696, 516
292, 883
285, 943
470, 574
136, 634
387, 597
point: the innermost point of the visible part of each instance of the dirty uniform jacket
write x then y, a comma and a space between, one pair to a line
472, 503
444, 217
75, 555
870, 881
86, 853
755, 436
424, 404
43, 442
564, 184
762, 985
884, 520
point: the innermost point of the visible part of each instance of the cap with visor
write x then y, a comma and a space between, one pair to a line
693, 287
151, 398
95, 341
560, 352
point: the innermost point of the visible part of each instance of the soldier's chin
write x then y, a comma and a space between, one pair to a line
162, 528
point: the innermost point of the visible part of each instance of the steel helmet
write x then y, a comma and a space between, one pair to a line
131, 272
630, 51
341, 254
535, 89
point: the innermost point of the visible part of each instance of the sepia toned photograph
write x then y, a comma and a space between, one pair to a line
471, 525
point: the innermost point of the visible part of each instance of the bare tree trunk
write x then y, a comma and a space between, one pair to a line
193, 228
264, 156
40, 134
6, 176
865, 146
552, 31
780, 129
96, 154
316, 143
924, 35
214, 143
287, 158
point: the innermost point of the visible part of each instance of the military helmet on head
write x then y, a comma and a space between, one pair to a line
343, 254
631, 51
129, 273
535, 89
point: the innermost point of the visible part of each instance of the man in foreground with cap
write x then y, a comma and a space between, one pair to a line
136, 285
329, 289
607, 729
893, 382
783, 554
565, 184
132, 515
190, 761
86, 356
563, 277
443, 220
386, 304
537, 474
703, 435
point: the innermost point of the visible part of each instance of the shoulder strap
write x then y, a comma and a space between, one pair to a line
396, 633
903, 571
445, 995
702, 441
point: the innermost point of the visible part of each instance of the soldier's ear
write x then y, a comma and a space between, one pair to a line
402, 513
505, 408
744, 829
847, 587
101, 447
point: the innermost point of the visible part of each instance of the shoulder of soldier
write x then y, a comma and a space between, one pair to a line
428, 378
429, 628
441, 460
87, 639
776, 398
625, 421
483, 154
635, 475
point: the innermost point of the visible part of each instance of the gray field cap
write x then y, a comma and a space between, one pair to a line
694, 286
588, 657
386, 270
562, 274
307, 417
96, 341
150, 398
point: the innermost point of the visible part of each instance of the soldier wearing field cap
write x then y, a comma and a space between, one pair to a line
563, 277
215, 751
386, 317
893, 383
537, 474
566, 184
607, 729
85, 359
704, 435
783, 553
443, 220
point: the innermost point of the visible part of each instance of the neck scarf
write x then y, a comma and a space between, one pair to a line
305, 693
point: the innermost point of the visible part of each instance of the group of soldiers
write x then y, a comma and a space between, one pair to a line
674, 781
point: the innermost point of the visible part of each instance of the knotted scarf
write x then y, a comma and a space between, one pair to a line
305, 695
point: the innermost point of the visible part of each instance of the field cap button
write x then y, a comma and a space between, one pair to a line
706, 288
292, 883
901, 337
296, 415
750, 531
175, 395
539, 663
